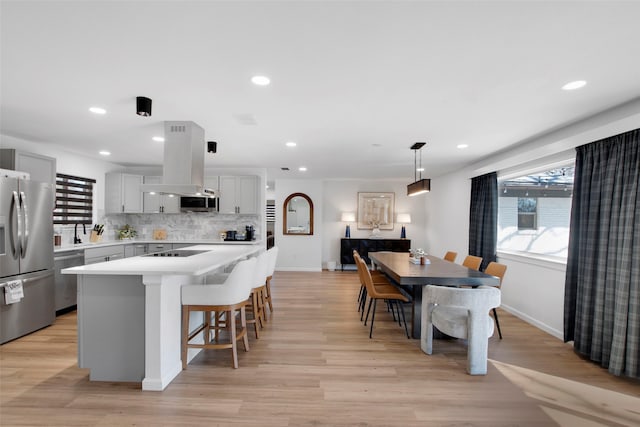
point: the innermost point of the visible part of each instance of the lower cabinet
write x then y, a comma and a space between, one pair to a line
364, 246
106, 253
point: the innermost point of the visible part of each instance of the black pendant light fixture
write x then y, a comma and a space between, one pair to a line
422, 185
212, 147
143, 106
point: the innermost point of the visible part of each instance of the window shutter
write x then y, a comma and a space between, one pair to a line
74, 200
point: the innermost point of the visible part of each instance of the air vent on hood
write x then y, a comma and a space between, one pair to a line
183, 168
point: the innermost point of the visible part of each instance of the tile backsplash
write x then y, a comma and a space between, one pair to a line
183, 226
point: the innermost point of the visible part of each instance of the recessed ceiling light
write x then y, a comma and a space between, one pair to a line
104, 153
574, 85
462, 146
302, 169
158, 139
98, 110
266, 186
291, 144
260, 80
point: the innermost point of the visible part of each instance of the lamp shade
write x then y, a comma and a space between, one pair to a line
348, 217
404, 218
419, 187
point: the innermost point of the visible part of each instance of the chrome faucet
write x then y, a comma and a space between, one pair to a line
76, 239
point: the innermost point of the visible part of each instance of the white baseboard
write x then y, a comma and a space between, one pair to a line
551, 331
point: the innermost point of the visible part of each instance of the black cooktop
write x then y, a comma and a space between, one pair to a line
177, 253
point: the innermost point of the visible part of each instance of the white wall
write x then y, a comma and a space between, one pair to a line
299, 253
532, 289
342, 196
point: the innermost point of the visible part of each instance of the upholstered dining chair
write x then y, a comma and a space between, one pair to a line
226, 298
391, 294
498, 270
472, 262
379, 280
450, 256
461, 313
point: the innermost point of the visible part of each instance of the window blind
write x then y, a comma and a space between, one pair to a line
74, 200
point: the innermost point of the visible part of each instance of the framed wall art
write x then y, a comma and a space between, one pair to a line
376, 211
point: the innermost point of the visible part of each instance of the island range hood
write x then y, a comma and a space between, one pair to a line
183, 168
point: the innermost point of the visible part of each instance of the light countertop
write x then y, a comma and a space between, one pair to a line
217, 256
66, 248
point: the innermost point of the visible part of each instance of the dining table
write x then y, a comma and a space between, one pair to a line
412, 277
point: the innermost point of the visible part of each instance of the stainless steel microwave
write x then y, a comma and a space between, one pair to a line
198, 204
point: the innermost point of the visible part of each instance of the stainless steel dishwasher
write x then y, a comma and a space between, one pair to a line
66, 285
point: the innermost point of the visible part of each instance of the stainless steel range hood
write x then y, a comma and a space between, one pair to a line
183, 168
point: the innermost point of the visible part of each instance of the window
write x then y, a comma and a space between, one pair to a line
74, 200
534, 212
527, 208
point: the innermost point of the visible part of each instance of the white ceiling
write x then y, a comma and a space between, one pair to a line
355, 84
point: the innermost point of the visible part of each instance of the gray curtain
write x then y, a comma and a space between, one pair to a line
602, 287
483, 218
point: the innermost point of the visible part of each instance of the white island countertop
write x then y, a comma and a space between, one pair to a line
217, 256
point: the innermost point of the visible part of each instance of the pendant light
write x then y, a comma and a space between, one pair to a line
421, 185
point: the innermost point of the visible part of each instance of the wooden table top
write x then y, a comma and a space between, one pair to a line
437, 272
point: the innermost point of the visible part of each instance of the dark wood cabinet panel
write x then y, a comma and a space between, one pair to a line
364, 246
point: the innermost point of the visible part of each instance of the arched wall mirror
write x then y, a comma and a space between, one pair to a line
297, 215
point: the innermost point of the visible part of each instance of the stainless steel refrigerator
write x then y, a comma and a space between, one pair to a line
26, 255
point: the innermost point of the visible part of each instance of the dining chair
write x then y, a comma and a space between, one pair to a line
229, 299
379, 280
450, 256
392, 295
461, 313
498, 270
472, 262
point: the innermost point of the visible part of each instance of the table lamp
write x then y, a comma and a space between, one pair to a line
348, 217
404, 218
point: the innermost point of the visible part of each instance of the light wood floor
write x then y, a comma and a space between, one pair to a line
315, 365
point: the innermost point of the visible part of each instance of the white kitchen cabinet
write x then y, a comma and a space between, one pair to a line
239, 194
40, 168
159, 203
102, 254
122, 193
211, 183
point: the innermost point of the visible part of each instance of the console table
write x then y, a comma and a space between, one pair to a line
364, 246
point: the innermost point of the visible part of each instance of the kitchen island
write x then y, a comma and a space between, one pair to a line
129, 312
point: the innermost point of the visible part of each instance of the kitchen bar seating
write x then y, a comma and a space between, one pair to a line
257, 301
273, 258
229, 298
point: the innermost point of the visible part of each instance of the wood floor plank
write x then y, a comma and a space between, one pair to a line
314, 365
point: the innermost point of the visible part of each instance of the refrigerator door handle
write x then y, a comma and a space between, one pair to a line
15, 241
25, 234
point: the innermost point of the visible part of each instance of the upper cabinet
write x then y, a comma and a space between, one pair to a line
238, 194
159, 203
122, 193
40, 168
